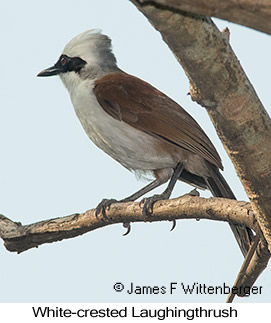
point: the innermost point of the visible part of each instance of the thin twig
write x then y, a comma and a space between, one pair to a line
244, 267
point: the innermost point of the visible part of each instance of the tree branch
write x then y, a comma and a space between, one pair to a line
19, 238
252, 249
251, 13
218, 82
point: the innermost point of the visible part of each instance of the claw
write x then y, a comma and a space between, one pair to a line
147, 208
128, 227
148, 202
104, 206
173, 225
141, 203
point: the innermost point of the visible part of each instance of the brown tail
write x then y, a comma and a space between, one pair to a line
220, 188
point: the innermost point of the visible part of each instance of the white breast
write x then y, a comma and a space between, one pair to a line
133, 148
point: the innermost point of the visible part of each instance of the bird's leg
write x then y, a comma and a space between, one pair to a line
106, 203
148, 202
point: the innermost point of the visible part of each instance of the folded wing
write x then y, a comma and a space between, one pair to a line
131, 100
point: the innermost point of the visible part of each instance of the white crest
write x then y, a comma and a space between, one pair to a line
92, 46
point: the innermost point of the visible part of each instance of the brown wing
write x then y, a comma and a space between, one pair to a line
129, 99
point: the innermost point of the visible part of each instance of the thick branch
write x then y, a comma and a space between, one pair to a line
219, 83
251, 13
19, 237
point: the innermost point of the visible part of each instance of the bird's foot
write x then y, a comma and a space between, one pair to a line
104, 206
127, 226
147, 204
194, 192
173, 225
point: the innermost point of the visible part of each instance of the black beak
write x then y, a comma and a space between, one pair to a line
54, 70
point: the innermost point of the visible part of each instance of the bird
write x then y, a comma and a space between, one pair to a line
139, 126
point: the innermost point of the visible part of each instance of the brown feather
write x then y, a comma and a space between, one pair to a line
129, 99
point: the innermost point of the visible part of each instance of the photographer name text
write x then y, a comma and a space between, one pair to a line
187, 289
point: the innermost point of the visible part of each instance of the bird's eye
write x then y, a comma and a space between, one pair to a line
63, 61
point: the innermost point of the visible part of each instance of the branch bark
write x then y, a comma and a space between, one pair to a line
19, 238
218, 82
251, 13
253, 265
